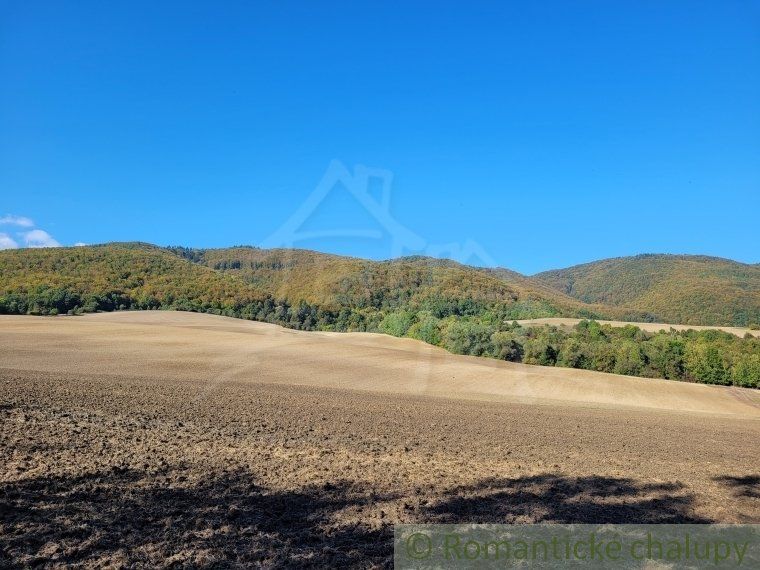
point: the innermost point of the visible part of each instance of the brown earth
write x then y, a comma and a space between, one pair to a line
157, 438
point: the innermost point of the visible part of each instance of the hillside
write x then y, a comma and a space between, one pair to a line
111, 277
409, 283
298, 288
685, 289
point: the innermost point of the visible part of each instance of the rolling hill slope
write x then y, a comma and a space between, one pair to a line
328, 291
335, 282
694, 290
685, 289
111, 277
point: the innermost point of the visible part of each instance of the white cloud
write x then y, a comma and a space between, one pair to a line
6, 242
11, 220
31, 237
80, 244
39, 238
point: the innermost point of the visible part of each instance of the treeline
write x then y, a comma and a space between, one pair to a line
44, 300
709, 356
296, 288
49, 301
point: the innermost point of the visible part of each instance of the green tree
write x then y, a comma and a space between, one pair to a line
665, 356
426, 329
573, 353
746, 371
540, 351
397, 323
506, 346
705, 364
628, 358
467, 337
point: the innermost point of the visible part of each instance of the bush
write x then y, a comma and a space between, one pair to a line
628, 358
540, 351
665, 356
397, 324
574, 354
602, 356
506, 346
426, 329
466, 337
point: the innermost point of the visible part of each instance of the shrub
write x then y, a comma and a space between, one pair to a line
540, 351
628, 358
397, 323
467, 337
574, 354
506, 346
426, 329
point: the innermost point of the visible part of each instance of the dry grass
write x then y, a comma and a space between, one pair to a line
649, 327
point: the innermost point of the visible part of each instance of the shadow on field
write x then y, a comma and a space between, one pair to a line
124, 518
743, 486
559, 499
228, 519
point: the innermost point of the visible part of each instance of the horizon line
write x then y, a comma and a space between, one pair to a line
392, 259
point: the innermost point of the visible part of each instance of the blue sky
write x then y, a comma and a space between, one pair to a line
539, 134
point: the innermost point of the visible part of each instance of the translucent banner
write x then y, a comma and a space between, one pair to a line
577, 546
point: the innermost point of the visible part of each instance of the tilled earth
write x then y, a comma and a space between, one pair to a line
113, 470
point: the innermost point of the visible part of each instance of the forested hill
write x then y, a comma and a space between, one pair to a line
416, 282
686, 289
343, 293
296, 288
113, 277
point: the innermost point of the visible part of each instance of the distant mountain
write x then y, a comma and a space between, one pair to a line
112, 277
307, 289
298, 288
336, 282
685, 289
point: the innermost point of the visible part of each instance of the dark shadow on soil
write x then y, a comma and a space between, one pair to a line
125, 518
554, 498
743, 486
220, 521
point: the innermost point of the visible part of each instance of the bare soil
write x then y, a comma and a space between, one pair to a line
146, 439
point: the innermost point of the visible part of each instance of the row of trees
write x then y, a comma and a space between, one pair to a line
303, 316
710, 357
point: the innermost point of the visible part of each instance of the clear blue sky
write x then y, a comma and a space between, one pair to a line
549, 133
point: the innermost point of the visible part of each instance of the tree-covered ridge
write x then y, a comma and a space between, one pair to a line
292, 287
113, 277
336, 282
685, 289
